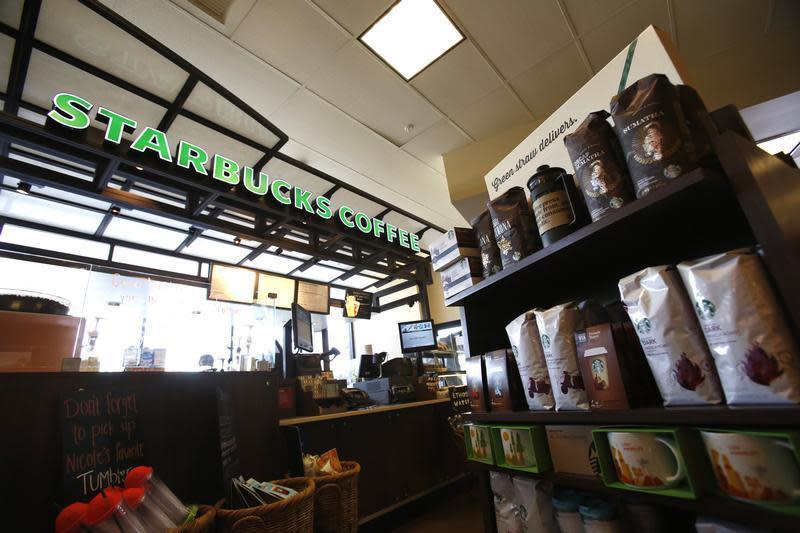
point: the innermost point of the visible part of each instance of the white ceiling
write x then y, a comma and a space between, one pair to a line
299, 63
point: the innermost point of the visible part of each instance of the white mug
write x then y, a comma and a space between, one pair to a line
645, 460
753, 468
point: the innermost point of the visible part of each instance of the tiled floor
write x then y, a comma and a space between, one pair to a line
457, 510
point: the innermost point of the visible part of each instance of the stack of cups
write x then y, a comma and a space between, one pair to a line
142, 477
108, 513
151, 515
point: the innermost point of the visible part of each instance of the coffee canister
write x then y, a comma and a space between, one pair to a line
557, 205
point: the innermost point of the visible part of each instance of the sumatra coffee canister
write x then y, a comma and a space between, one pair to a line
599, 165
514, 229
557, 206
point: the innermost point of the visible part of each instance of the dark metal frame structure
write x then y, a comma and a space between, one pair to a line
123, 178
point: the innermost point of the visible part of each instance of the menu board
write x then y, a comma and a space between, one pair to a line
283, 288
101, 440
314, 297
416, 336
232, 284
357, 304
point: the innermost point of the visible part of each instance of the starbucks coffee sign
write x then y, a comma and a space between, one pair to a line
72, 111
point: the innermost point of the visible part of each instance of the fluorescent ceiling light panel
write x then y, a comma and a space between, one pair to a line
412, 35
784, 143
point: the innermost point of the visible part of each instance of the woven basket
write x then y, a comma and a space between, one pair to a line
203, 522
294, 514
326, 521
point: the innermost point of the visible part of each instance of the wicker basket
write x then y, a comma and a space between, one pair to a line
295, 514
326, 519
203, 522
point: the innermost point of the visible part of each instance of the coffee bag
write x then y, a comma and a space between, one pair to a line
670, 337
652, 131
599, 165
514, 229
523, 334
557, 327
756, 356
698, 121
490, 253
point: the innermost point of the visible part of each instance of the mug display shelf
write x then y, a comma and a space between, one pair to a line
707, 505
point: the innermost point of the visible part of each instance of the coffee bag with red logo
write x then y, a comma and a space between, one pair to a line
670, 337
756, 356
557, 327
523, 334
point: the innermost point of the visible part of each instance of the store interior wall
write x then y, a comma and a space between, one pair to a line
440, 313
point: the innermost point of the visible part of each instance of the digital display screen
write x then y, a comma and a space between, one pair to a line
417, 336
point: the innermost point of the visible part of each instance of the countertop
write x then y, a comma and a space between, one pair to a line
372, 410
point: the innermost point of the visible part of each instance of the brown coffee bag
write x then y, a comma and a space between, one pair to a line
756, 356
599, 166
651, 127
670, 337
490, 253
698, 121
557, 327
514, 229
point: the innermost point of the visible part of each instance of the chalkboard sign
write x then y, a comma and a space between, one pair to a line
101, 440
229, 450
459, 399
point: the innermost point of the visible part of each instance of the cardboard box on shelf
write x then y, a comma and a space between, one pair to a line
453, 245
476, 384
461, 275
573, 451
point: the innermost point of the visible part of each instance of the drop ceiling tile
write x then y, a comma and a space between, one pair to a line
401, 221
495, 112
457, 79
358, 83
233, 17
356, 202
565, 73
586, 16
213, 142
429, 145
290, 36
712, 26
108, 47
516, 35
607, 40
10, 12
355, 15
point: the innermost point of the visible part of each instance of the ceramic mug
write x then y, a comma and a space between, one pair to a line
753, 468
645, 460
516, 446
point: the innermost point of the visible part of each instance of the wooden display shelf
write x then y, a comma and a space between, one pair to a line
680, 416
710, 504
695, 214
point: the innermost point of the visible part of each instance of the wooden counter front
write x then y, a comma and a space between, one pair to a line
405, 450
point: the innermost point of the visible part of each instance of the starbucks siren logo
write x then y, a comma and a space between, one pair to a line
545, 342
705, 309
644, 326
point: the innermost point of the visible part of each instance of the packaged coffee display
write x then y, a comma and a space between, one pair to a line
599, 165
490, 253
513, 226
652, 131
503, 382
557, 327
523, 334
755, 354
533, 498
670, 337
698, 121
557, 206
476, 384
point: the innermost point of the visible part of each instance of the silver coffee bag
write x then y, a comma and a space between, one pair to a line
670, 337
557, 327
756, 356
523, 334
